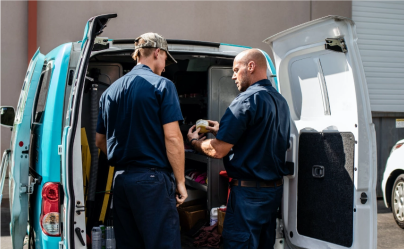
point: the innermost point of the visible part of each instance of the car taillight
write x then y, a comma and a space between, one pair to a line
396, 146
50, 209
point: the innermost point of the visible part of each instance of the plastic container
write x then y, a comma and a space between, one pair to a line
102, 227
96, 238
110, 241
202, 124
213, 216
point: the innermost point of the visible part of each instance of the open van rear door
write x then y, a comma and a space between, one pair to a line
74, 234
330, 199
20, 186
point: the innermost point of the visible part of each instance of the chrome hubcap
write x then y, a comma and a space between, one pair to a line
399, 201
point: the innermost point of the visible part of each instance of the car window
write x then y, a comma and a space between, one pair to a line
42, 93
23, 96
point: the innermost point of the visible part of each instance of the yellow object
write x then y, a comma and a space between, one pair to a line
107, 193
85, 159
202, 124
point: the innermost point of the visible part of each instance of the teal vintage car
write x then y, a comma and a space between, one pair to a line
60, 184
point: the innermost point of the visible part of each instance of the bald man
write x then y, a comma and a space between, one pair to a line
252, 140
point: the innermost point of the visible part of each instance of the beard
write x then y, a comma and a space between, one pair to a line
244, 82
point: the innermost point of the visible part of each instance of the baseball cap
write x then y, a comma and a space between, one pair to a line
154, 40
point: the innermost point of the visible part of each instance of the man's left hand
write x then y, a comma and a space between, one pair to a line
194, 134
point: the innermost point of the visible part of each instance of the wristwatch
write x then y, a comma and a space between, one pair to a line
193, 140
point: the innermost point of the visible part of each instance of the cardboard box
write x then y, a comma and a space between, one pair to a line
190, 215
220, 220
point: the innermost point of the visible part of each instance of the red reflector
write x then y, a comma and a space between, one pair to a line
398, 146
21, 143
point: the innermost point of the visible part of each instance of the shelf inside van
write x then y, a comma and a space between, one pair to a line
191, 183
196, 157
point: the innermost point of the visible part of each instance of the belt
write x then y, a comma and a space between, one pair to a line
140, 169
253, 184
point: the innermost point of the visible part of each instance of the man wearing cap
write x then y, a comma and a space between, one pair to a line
252, 140
138, 130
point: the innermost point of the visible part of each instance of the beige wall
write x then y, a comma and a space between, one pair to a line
242, 23
14, 62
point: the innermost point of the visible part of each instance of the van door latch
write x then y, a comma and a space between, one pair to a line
60, 150
364, 198
336, 44
318, 171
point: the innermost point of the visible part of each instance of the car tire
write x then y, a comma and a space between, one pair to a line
397, 201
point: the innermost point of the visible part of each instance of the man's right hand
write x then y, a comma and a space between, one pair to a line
181, 194
213, 127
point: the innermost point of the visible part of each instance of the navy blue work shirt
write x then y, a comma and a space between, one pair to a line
132, 113
257, 123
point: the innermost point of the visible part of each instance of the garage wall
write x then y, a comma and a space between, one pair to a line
242, 23
380, 28
14, 50
239, 23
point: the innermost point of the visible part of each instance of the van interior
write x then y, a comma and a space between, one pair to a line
200, 80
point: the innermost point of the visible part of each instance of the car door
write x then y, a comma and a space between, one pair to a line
74, 234
329, 199
18, 157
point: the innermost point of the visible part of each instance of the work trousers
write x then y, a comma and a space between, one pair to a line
145, 213
250, 219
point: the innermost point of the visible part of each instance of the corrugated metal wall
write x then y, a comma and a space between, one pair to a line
380, 28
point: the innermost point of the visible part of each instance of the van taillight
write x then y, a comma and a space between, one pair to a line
50, 209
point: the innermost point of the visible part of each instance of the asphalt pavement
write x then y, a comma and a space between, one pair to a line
389, 235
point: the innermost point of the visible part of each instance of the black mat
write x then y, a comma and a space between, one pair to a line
325, 205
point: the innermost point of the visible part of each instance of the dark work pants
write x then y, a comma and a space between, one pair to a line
250, 219
145, 213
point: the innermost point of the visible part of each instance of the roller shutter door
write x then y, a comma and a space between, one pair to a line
380, 28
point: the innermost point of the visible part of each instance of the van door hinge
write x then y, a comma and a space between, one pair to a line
60, 150
61, 245
24, 189
100, 43
101, 40
336, 44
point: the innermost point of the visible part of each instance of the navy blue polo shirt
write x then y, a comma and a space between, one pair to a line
257, 123
132, 113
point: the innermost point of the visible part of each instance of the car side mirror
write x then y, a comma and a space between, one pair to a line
7, 116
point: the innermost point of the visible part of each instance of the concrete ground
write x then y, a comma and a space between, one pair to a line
389, 235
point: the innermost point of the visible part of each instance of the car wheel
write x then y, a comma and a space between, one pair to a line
397, 200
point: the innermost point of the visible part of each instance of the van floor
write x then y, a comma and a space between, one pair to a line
187, 243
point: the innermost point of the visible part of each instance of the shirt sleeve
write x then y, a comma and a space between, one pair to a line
170, 104
236, 120
101, 129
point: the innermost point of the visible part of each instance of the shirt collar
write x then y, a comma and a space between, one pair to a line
264, 82
142, 67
